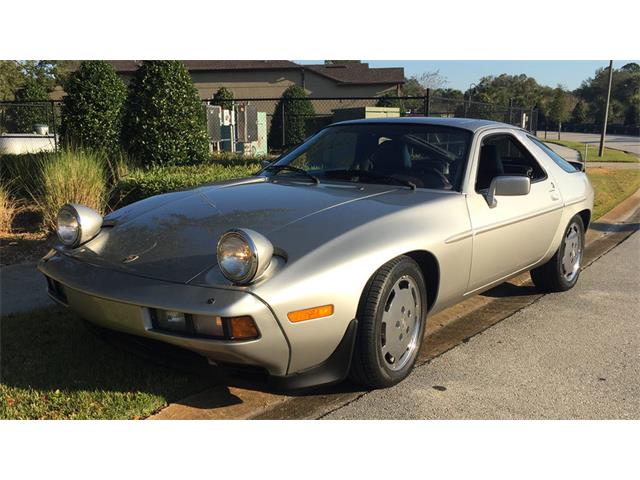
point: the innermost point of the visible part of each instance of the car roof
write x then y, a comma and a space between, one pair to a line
472, 124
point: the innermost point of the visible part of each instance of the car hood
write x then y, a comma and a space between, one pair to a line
173, 237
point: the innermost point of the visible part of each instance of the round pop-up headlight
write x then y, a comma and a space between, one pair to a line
243, 255
77, 224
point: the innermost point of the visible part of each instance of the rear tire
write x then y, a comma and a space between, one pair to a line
561, 272
391, 320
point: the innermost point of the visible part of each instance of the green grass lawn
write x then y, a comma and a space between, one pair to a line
611, 186
53, 367
610, 155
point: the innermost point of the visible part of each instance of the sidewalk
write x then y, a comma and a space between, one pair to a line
22, 288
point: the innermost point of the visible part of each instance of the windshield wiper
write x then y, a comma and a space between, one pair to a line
290, 168
371, 175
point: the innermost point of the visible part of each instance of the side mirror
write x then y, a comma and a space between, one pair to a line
507, 185
265, 163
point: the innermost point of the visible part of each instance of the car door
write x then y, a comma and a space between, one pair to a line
517, 231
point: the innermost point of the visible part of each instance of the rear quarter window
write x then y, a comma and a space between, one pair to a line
561, 162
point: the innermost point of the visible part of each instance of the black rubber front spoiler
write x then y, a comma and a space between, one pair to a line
333, 370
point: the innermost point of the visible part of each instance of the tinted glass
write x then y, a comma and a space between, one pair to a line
505, 155
428, 156
561, 162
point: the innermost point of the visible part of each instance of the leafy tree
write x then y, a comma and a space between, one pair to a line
579, 113
625, 86
92, 108
297, 110
34, 110
522, 89
164, 122
632, 114
223, 98
559, 107
449, 93
11, 79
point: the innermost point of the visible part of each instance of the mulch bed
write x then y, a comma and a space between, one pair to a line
27, 241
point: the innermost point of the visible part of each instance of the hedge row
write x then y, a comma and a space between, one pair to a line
143, 183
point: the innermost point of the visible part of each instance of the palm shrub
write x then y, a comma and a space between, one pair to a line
164, 122
223, 98
292, 114
34, 110
92, 109
70, 176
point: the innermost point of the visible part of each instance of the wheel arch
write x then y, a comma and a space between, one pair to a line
586, 217
430, 268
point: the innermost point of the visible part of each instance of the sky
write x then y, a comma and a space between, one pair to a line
462, 73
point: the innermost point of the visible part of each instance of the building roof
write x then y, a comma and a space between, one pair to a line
351, 73
359, 73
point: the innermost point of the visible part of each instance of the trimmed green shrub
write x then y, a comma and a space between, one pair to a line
69, 176
164, 121
224, 98
92, 109
22, 118
142, 183
297, 110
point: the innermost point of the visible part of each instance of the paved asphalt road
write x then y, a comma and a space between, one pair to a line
574, 355
620, 142
571, 155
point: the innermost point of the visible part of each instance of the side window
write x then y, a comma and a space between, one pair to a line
561, 162
504, 155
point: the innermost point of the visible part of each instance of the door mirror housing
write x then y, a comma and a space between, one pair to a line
507, 185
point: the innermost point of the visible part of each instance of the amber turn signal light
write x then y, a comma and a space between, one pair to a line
242, 328
310, 313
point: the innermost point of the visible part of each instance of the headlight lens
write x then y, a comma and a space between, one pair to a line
77, 224
243, 255
68, 226
235, 257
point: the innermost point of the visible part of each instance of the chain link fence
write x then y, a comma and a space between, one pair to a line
262, 126
270, 125
29, 126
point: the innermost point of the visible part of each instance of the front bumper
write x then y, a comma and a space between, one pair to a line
122, 302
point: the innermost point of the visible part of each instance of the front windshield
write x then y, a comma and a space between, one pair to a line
420, 155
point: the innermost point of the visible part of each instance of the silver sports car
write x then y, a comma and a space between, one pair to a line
329, 261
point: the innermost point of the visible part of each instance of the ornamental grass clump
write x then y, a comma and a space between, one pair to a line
8, 209
70, 176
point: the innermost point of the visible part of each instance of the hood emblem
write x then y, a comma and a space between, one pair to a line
130, 258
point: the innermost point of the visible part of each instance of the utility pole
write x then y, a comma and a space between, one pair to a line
606, 111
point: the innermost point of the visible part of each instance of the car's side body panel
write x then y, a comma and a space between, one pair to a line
337, 268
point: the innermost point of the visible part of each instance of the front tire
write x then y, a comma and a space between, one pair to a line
391, 320
561, 272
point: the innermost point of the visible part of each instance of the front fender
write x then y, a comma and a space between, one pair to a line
345, 248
